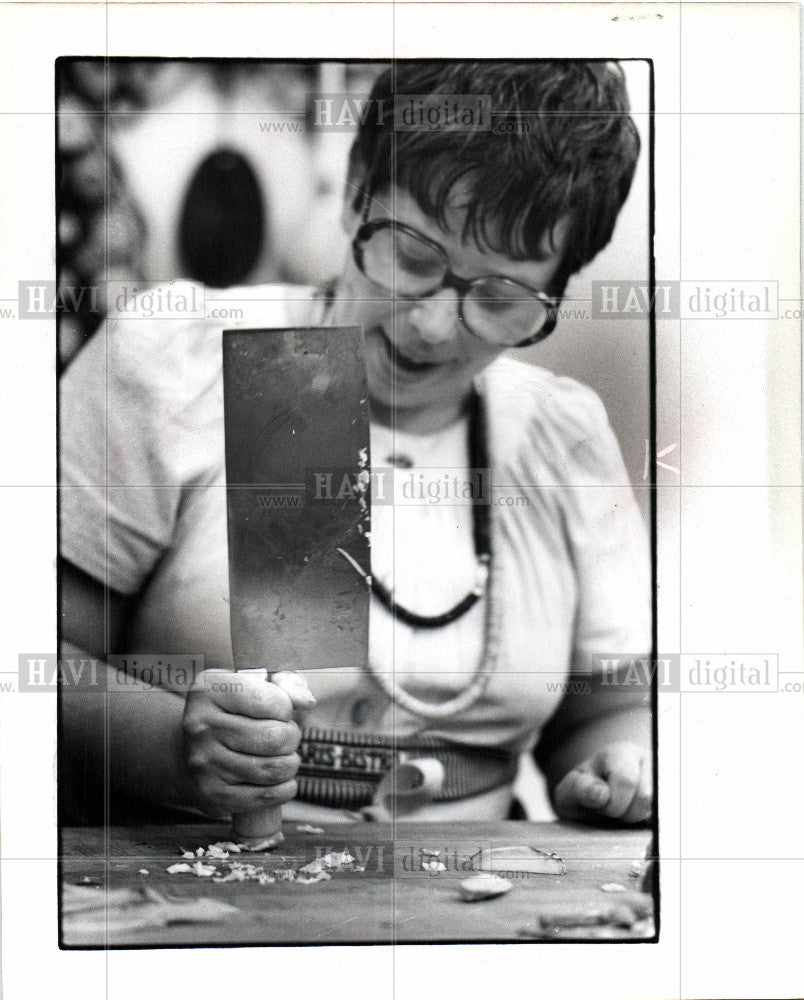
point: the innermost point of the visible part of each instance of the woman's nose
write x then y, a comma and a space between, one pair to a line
436, 319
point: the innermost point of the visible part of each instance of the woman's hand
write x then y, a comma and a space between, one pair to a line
240, 740
616, 782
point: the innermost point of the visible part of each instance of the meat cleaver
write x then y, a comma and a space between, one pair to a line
297, 491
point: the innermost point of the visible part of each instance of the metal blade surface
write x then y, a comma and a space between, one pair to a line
297, 461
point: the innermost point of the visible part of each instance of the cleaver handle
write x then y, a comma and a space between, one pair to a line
261, 829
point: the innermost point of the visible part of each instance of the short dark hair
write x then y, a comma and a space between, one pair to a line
576, 159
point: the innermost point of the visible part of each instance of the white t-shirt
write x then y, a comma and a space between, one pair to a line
143, 508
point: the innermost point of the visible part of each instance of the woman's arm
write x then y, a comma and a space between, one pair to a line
122, 731
227, 745
596, 751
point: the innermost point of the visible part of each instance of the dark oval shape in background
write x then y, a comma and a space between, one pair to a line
222, 221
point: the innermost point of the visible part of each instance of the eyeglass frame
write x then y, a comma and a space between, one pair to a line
369, 227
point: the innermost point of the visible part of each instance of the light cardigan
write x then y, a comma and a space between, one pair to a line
143, 507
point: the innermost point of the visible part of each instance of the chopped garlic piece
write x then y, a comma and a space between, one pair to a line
433, 865
484, 887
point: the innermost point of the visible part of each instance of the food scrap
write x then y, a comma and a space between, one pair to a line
223, 845
631, 912
521, 859
221, 868
613, 887
198, 868
241, 871
307, 828
258, 845
433, 865
484, 886
120, 911
321, 876
77, 898
338, 860
216, 851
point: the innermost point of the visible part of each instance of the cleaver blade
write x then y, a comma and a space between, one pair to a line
296, 424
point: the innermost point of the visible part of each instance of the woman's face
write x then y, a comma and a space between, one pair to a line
424, 379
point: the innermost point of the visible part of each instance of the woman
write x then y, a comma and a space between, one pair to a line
462, 243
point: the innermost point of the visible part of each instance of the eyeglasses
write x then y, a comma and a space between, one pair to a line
497, 310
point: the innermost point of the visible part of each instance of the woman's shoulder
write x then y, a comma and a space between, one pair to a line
548, 428
166, 340
528, 397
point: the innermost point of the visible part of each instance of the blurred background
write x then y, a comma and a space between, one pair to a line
203, 169
216, 170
